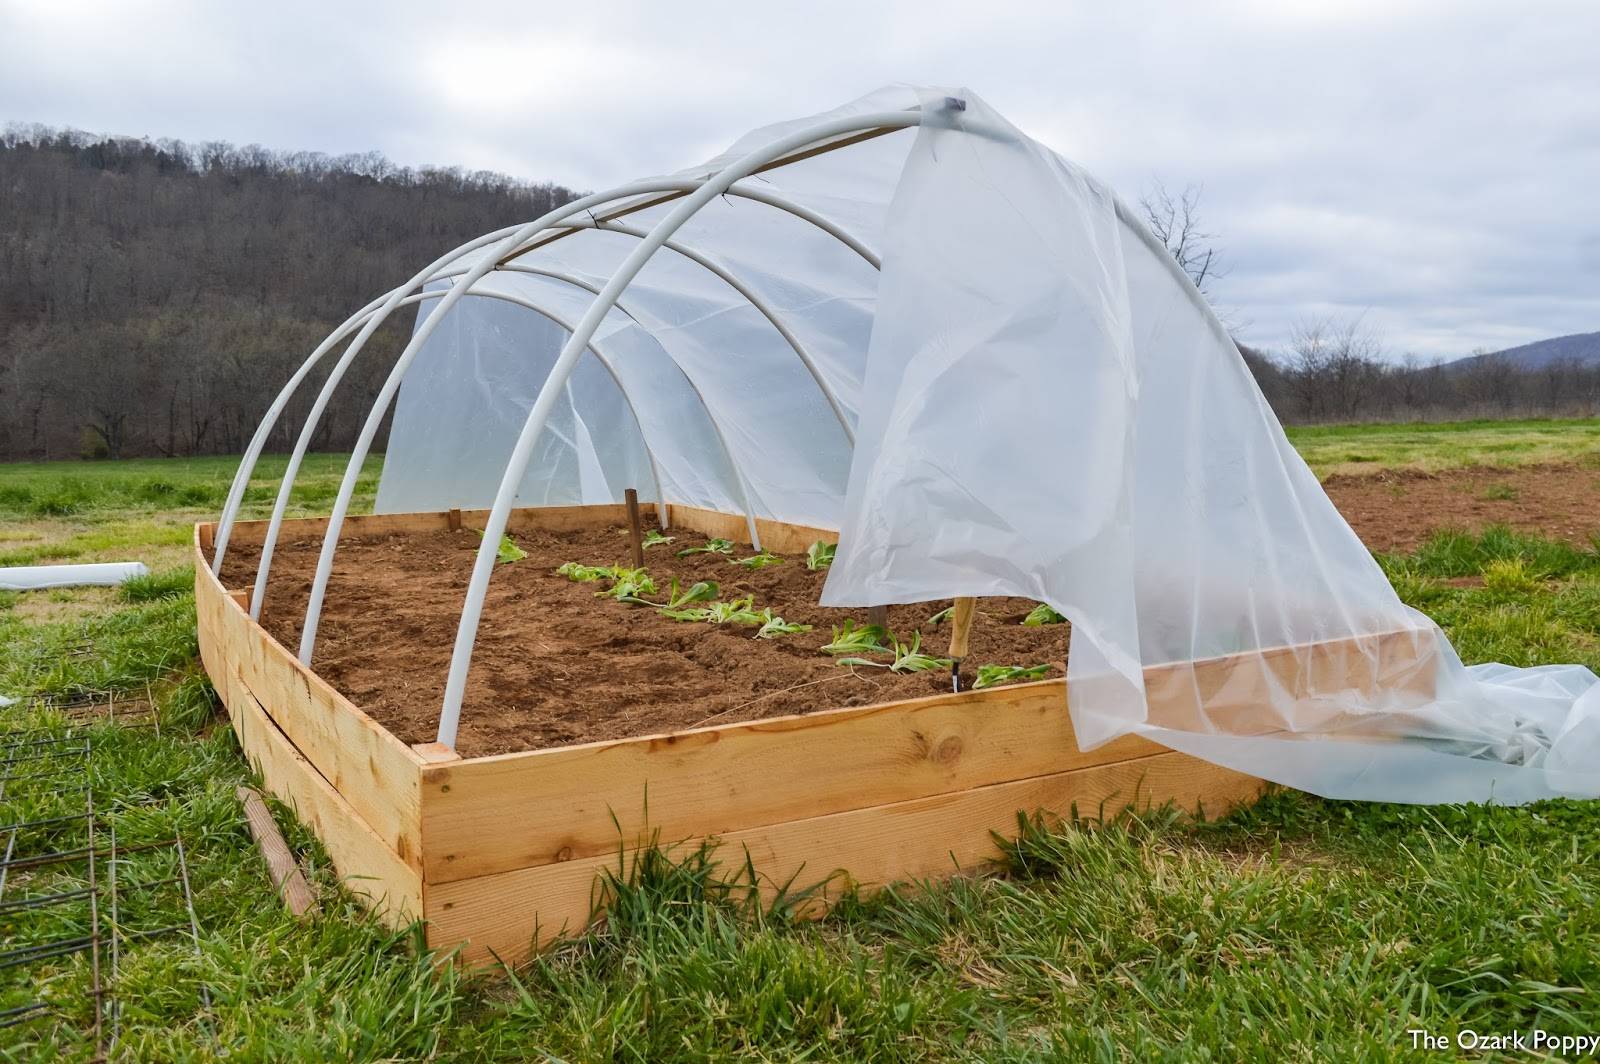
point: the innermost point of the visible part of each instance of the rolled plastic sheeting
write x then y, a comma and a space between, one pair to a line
36, 577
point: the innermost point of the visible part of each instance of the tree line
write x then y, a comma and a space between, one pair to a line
156, 294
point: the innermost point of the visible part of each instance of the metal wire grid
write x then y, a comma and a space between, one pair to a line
78, 853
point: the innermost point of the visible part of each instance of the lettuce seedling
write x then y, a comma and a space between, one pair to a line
711, 546
699, 591
773, 625
507, 551
906, 659
820, 555
757, 561
584, 574
630, 585
858, 639
652, 538
739, 611
1042, 614
939, 618
994, 675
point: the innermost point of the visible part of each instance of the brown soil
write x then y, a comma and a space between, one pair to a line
1399, 510
554, 664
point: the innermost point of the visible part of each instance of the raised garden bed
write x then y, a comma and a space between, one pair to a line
591, 725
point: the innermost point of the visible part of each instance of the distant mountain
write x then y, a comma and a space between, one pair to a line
1582, 348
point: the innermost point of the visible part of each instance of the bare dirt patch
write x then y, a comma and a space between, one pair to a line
555, 664
1399, 510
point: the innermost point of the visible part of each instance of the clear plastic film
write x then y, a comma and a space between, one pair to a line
1042, 406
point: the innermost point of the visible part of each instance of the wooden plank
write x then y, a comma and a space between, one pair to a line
1244, 694
364, 861
490, 814
282, 868
378, 774
549, 518
776, 536
509, 912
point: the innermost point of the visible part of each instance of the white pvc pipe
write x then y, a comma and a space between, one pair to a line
381, 307
268, 422
391, 384
754, 298
516, 468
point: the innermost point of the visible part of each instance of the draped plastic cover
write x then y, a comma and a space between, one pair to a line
1043, 406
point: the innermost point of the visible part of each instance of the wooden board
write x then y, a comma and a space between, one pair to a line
365, 863
491, 814
375, 772
552, 518
1242, 694
509, 913
775, 535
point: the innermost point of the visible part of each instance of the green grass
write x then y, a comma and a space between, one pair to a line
1356, 449
1300, 929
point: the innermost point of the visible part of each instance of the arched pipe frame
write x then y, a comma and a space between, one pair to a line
538, 416
380, 308
692, 195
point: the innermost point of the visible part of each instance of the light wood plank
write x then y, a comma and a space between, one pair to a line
364, 861
378, 774
508, 913
548, 518
776, 536
283, 869
490, 814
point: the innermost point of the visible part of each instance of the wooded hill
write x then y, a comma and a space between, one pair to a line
155, 295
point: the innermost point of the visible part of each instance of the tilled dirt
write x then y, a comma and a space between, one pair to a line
556, 665
1399, 510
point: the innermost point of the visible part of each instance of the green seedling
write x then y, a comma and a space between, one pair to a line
994, 675
630, 585
507, 551
584, 574
757, 561
711, 546
654, 538
699, 591
739, 611
939, 618
773, 626
820, 555
906, 659
858, 639
1042, 614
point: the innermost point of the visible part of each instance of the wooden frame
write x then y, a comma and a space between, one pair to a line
500, 854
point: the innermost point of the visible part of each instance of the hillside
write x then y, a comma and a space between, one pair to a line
154, 295
1580, 348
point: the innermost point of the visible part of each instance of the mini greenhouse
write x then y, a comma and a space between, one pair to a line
903, 330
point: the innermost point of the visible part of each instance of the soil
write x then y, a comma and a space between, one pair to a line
556, 665
1399, 510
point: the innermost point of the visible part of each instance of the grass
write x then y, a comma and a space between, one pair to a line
1300, 929
1356, 449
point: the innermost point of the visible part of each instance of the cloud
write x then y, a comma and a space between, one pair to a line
1429, 165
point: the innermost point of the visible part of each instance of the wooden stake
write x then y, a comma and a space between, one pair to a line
286, 876
961, 627
454, 518
878, 615
635, 529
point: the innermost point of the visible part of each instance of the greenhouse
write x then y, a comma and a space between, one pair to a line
907, 335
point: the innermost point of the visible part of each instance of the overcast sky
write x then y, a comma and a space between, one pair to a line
1434, 167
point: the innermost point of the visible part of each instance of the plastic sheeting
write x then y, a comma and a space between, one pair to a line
1043, 406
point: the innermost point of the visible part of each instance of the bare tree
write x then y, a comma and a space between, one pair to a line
1337, 366
1176, 223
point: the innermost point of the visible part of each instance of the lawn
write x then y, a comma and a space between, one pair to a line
1300, 929
1433, 446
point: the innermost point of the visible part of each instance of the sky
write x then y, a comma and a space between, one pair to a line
1430, 168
